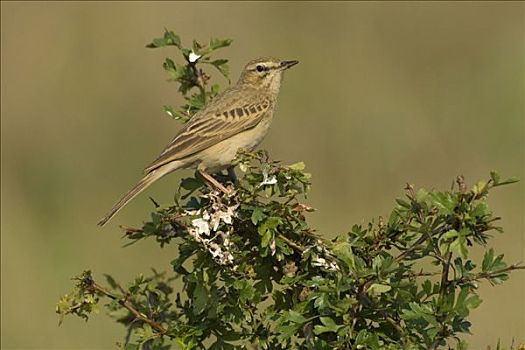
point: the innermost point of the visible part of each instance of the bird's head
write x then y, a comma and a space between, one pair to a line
265, 73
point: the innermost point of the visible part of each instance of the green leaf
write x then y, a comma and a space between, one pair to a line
460, 306
403, 203
421, 195
257, 215
196, 47
214, 90
169, 38
111, 281
343, 251
222, 66
487, 260
266, 238
495, 177
480, 210
177, 72
218, 43
420, 311
190, 183
272, 222
427, 287
480, 188
200, 299
295, 317
246, 290
299, 166
376, 289
170, 112
329, 325
444, 202
450, 234
508, 181
473, 302
459, 247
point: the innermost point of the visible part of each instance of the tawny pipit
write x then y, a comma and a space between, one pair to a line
237, 118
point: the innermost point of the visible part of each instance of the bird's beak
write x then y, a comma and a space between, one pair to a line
287, 64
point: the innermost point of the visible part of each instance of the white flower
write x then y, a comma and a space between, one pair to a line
215, 250
321, 261
272, 247
205, 228
193, 57
332, 266
216, 219
243, 166
225, 216
268, 181
230, 213
202, 226
192, 212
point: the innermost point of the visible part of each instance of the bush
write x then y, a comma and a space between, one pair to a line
254, 275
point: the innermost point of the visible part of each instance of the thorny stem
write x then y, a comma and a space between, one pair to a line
126, 304
423, 274
418, 243
475, 277
488, 275
199, 81
444, 275
292, 243
394, 324
411, 249
442, 292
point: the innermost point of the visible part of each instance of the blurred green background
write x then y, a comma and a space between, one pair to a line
385, 93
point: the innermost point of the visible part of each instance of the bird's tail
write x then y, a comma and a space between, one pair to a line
147, 180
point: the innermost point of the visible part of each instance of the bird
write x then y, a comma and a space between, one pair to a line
237, 118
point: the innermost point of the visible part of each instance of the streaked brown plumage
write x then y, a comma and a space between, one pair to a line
237, 118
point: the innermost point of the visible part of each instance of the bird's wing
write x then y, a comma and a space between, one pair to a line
227, 115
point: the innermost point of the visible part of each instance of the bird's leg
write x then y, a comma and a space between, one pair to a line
211, 180
231, 174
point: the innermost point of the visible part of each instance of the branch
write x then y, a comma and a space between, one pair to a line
442, 293
126, 304
291, 243
488, 275
422, 274
411, 249
421, 239
444, 275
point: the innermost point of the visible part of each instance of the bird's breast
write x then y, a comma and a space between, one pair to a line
221, 155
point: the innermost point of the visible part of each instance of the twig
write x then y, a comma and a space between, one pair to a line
488, 275
291, 243
442, 292
411, 249
126, 304
394, 324
444, 275
434, 344
130, 230
422, 274
423, 237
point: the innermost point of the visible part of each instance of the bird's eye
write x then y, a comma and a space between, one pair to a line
259, 68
